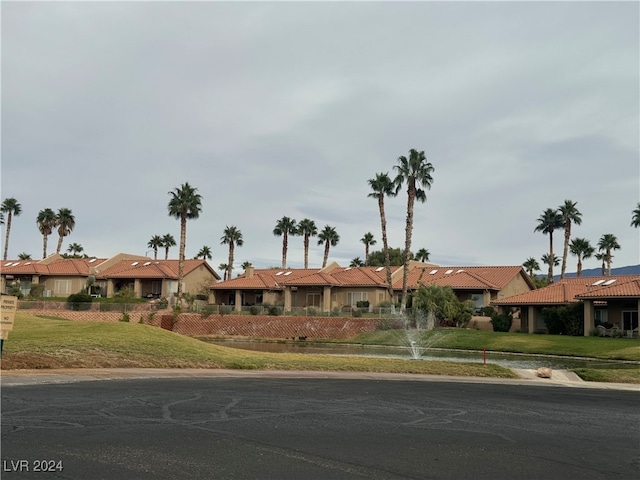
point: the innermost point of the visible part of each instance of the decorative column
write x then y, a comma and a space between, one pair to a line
589, 323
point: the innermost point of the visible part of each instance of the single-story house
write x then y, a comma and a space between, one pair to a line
146, 277
598, 309
334, 286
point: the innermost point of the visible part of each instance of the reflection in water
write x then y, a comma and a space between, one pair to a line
502, 359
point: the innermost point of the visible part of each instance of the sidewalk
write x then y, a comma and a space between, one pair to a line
559, 378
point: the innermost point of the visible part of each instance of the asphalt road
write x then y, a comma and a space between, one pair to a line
317, 428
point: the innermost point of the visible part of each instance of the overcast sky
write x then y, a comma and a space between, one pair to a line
288, 108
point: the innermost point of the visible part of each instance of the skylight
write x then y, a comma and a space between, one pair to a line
460, 271
379, 269
597, 283
146, 263
609, 282
348, 268
134, 264
28, 263
433, 272
279, 273
92, 260
448, 272
9, 264
288, 273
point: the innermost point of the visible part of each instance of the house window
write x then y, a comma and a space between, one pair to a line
313, 300
156, 288
601, 316
629, 320
62, 286
354, 297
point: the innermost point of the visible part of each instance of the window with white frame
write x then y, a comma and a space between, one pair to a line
354, 297
313, 300
630, 320
62, 287
601, 316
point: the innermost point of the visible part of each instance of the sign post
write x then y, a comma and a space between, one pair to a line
8, 306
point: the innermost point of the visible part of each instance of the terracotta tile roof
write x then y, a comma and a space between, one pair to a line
620, 288
61, 267
559, 293
470, 278
149, 269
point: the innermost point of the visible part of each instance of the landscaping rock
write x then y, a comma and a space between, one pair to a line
544, 372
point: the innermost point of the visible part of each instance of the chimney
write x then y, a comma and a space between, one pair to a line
248, 272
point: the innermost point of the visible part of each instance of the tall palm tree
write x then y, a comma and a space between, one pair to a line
155, 243
283, 228
307, 228
232, 237
1, 218
66, 222
185, 204
570, 215
224, 267
75, 249
205, 253
167, 242
581, 248
416, 171
635, 219
368, 240
549, 221
246, 265
382, 187
607, 243
46, 221
11, 207
356, 262
329, 237
531, 265
546, 259
24, 256
422, 255
602, 257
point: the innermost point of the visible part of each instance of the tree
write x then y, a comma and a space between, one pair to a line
546, 259
205, 253
570, 215
24, 256
185, 204
167, 242
607, 243
581, 248
549, 221
602, 257
368, 240
307, 228
416, 172
46, 221
155, 243
422, 255
283, 228
66, 222
75, 249
11, 207
635, 219
329, 237
246, 265
382, 187
232, 237
377, 258
531, 265
224, 267
356, 262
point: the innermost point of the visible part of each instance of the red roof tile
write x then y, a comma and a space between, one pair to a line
619, 288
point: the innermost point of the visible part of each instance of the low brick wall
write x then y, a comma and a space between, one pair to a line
265, 326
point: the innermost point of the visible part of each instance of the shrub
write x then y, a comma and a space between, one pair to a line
125, 317
555, 325
362, 304
501, 322
207, 311
124, 293
311, 312
254, 310
488, 311
37, 289
357, 313
225, 309
275, 310
572, 316
79, 301
335, 312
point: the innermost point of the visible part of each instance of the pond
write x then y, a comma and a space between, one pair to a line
507, 360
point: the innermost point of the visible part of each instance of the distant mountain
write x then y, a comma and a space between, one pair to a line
597, 272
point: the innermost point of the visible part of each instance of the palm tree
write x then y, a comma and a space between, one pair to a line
155, 243
66, 222
368, 240
232, 237
602, 257
24, 256
167, 242
607, 243
185, 204
635, 220
246, 265
570, 215
307, 228
382, 187
549, 221
329, 237
356, 262
75, 249
11, 207
545, 259
205, 253
1, 218
581, 248
46, 221
422, 255
224, 267
416, 172
531, 265
284, 227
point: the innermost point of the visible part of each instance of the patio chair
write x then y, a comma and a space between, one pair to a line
602, 331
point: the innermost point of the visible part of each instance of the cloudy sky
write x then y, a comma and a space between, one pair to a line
288, 108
